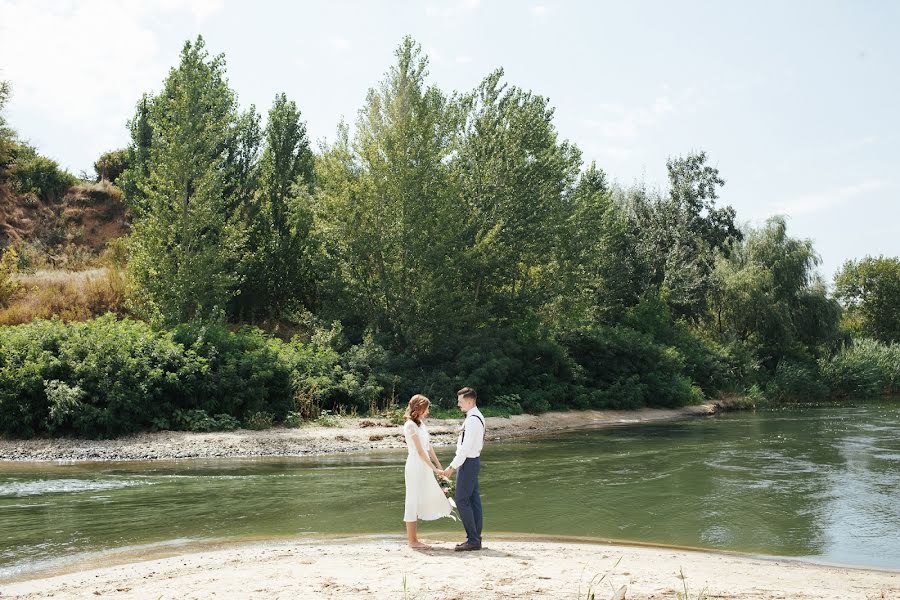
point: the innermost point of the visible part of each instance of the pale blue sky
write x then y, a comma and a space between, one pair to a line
796, 102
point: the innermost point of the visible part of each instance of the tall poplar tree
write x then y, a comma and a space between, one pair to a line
187, 235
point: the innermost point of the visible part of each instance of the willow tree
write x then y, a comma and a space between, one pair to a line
187, 234
769, 296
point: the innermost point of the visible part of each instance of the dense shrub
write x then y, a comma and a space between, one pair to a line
496, 364
108, 377
322, 378
198, 420
623, 368
864, 369
111, 164
796, 382
39, 175
709, 364
100, 378
243, 373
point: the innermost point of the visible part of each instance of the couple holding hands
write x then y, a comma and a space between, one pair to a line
424, 497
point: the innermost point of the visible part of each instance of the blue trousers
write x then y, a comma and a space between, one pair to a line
468, 500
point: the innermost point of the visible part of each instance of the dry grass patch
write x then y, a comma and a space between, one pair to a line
72, 296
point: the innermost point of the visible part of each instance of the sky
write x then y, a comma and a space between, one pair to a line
796, 103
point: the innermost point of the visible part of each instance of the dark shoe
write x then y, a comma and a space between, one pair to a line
466, 547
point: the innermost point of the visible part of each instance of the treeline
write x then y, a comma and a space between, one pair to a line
446, 239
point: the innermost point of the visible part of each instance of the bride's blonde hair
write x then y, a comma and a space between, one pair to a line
417, 406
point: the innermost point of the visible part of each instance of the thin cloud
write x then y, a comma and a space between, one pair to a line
445, 10
539, 10
626, 123
814, 203
339, 43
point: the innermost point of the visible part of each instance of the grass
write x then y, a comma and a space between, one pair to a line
685, 594
72, 296
596, 580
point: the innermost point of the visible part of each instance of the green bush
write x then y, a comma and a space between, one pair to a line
509, 403
100, 378
111, 165
259, 420
199, 421
323, 378
623, 368
244, 373
293, 419
106, 377
328, 419
796, 382
866, 368
40, 175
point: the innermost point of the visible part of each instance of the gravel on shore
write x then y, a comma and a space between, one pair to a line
352, 435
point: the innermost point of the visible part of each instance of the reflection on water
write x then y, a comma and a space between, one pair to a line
815, 482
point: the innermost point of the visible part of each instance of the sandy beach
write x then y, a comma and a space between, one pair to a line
514, 568
509, 566
352, 435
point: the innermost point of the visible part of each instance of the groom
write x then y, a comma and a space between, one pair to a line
468, 462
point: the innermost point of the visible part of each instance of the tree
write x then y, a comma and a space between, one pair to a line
138, 163
768, 295
7, 135
187, 235
513, 175
681, 233
869, 290
385, 209
111, 165
602, 272
694, 188
278, 268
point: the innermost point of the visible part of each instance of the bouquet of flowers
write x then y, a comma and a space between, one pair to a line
448, 486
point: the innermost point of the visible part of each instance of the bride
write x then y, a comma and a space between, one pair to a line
424, 497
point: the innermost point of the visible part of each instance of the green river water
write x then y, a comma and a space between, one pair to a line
820, 483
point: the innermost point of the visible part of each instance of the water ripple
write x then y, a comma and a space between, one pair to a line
32, 487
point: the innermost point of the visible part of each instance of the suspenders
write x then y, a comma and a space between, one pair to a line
464, 427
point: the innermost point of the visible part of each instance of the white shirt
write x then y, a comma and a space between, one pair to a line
470, 445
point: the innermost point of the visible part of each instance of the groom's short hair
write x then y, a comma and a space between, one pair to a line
468, 393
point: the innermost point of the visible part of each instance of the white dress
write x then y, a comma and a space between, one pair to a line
424, 497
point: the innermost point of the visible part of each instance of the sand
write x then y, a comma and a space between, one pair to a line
518, 568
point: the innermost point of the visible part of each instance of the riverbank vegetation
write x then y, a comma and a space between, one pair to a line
444, 239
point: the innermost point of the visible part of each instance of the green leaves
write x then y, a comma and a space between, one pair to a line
192, 159
869, 290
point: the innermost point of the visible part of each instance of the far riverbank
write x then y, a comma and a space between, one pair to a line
351, 435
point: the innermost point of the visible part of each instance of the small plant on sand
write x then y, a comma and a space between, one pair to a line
596, 580
327, 418
259, 420
685, 595
395, 416
293, 419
